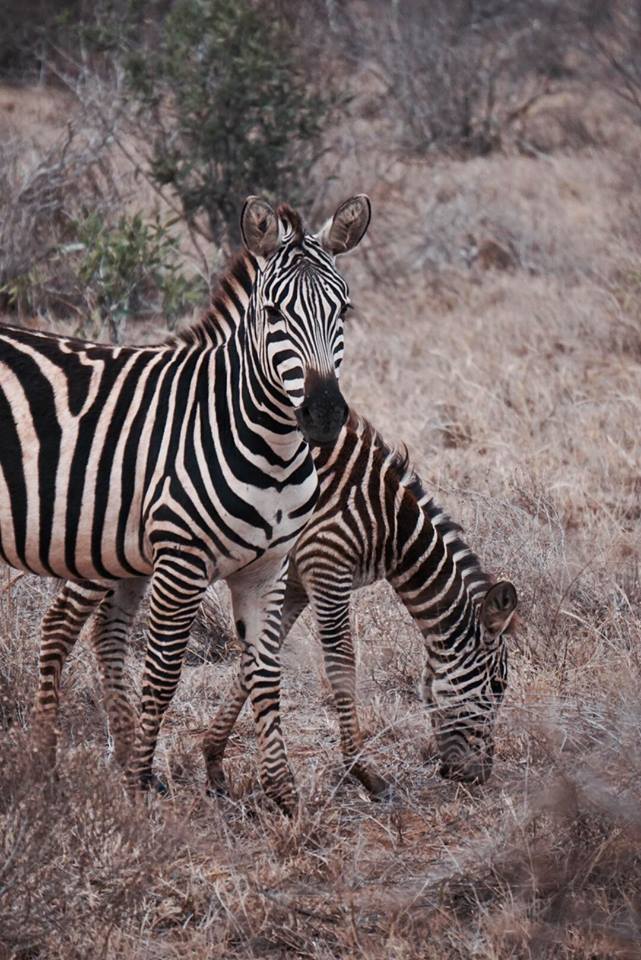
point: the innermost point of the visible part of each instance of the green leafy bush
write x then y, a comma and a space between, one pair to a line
226, 107
97, 267
132, 268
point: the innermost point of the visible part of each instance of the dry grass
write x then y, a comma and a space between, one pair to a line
518, 392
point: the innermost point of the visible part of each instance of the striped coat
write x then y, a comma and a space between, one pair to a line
187, 462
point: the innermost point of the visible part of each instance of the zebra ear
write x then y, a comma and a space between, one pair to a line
498, 606
259, 227
348, 226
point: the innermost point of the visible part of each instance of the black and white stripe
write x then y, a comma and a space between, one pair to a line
186, 462
374, 520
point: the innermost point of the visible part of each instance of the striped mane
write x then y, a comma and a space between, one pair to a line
228, 303
399, 465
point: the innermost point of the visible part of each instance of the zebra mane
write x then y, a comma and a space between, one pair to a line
292, 219
397, 458
398, 461
218, 321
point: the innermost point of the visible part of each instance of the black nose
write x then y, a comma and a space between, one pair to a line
323, 411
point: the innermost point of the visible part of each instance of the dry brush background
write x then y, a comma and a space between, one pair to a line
498, 333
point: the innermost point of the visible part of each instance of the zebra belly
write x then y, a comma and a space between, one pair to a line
86, 551
63, 509
328, 549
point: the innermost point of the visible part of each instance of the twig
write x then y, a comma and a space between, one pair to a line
192, 227
13, 581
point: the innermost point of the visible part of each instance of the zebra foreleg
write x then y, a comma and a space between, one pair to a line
332, 617
177, 588
109, 638
216, 738
257, 595
61, 627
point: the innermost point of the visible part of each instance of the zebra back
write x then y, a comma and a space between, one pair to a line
375, 517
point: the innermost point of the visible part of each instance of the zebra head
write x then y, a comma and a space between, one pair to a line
297, 309
465, 695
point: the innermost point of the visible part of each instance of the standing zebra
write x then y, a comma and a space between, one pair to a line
185, 462
374, 520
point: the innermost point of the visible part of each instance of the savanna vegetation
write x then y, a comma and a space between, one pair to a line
497, 331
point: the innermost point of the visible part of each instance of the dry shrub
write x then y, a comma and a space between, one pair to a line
77, 858
44, 191
71, 242
527, 214
568, 122
461, 75
515, 868
212, 636
624, 284
453, 75
543, 865
566, 880
22, 603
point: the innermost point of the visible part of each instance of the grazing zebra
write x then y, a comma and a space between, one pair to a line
374, 520
187, 462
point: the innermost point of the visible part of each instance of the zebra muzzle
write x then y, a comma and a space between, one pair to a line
323, 411
472, 770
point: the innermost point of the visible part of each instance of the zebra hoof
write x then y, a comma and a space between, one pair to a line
283, 795
286, 806
216, 783
217, 791
384, 793
377, 787
144, 784
158, 786
429, 752
44, 754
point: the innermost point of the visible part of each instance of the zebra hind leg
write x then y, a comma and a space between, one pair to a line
217, 735
61, 627
216, 738
109, 638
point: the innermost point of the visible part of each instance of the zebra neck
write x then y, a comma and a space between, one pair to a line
228, 306
439, 580
259, 403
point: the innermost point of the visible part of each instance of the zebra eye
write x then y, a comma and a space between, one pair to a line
345, 310
273, 312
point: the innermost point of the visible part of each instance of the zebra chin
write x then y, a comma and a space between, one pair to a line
323, 411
